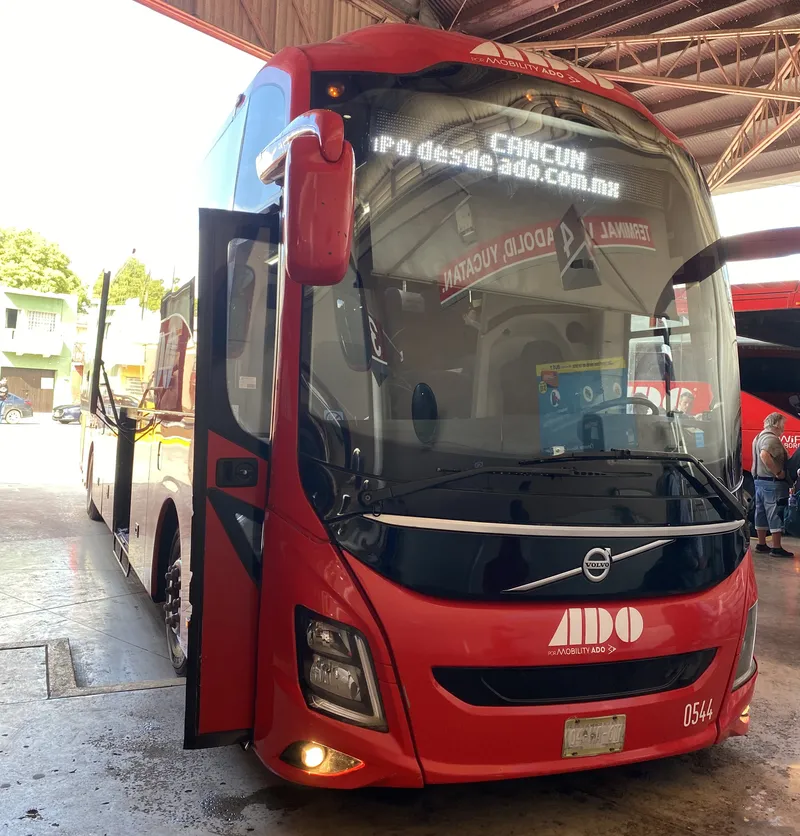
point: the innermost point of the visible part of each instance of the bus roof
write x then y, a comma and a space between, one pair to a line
403, 48
766, 296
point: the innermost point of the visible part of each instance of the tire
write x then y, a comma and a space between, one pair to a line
91, 508
172, 608
12, 416
65, 420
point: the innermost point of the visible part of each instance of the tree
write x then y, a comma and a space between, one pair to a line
27, 260
132, 281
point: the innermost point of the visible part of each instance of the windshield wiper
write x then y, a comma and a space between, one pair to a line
534, 468
720, 489
548, 466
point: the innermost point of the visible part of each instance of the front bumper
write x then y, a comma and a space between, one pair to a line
530, 740
435, 737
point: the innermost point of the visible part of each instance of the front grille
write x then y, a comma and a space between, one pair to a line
554, 684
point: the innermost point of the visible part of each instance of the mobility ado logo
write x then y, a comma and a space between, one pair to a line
517, 58
587, 631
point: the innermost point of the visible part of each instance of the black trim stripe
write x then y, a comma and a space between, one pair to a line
227, 507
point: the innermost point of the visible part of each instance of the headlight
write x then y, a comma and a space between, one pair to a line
747, 663
336, 671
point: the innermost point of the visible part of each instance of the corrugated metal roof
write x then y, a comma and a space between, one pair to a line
274, 24
707, 121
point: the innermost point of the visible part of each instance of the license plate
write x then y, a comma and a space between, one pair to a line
593, 736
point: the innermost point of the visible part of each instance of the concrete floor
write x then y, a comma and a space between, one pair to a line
102, 753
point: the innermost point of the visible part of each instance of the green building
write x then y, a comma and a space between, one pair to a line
37, 338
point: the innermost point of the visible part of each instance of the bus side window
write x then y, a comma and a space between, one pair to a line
250, 356
266, 118
218, 177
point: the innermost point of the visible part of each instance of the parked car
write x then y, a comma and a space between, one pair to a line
67, 414
14, 409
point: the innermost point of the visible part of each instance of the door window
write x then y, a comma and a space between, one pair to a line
250, 356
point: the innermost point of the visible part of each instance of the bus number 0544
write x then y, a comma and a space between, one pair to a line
698, 712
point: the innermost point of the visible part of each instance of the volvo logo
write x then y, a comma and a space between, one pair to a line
596, 565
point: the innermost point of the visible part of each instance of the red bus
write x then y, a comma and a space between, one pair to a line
410, 520
767, 320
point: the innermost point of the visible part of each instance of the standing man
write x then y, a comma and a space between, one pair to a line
772, 489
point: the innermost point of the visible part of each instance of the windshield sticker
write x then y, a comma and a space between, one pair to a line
547, 371
529, 243
574, 253
592, 630
582, 385
379, 362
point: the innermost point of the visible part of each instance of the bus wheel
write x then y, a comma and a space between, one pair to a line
172, 607
91, 508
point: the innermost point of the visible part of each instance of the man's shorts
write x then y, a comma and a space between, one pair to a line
769, 496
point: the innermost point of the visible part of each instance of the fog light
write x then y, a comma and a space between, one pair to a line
745, 715
317, 759
312, 755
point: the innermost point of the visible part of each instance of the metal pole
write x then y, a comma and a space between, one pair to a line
144, 295
94, 391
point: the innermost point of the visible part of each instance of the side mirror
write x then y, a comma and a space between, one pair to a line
317, 166
768, 243
748, 246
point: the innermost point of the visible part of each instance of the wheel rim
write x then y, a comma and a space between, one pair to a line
172, 609
13, 416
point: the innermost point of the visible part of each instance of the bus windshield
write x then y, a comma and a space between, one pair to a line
514, 289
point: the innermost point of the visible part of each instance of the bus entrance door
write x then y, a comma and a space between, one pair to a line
237, 281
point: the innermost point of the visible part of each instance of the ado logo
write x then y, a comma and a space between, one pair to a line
590, 627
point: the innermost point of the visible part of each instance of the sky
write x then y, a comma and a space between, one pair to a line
108, 109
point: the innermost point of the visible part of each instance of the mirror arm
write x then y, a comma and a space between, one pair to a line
769, 243
327, 126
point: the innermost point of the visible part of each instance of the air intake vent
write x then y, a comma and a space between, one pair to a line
555, 684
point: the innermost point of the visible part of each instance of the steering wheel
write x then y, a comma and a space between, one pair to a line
635, 400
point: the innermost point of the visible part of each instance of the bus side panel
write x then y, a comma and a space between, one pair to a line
169, 492
754, 411
142, 450
91, 444
103, 451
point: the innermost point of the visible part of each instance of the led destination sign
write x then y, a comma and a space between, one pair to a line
522, 159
